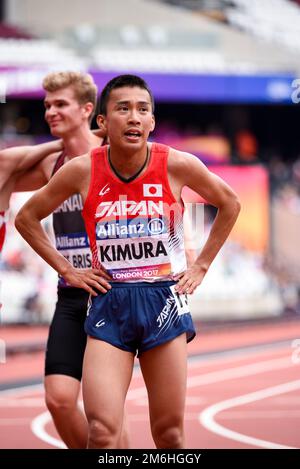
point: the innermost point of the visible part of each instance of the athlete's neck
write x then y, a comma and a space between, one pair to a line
127, 164
80, 142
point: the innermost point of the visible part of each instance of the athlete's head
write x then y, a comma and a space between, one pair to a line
83, 85
70, 100
122, 81
126, 111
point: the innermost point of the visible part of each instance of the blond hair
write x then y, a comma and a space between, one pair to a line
83, 84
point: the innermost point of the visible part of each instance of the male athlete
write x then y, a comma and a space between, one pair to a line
70, 102
133, 215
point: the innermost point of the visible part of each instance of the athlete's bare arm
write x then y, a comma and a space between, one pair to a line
189, 244
37, 176
187, 170
72, 178
18, 159
15, 164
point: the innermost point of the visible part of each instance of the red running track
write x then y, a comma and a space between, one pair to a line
243, 392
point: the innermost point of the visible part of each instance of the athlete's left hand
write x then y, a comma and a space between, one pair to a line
190, 279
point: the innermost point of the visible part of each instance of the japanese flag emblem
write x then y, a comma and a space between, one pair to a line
152, 190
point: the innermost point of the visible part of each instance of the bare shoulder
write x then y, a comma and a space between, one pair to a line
74, 176
76, 172
80, 163
46, 165
181, 163
187, 170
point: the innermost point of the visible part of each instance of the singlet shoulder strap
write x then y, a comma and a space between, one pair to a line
59, 162
159, 148
61, 158
97, 155
159, 158
97, 165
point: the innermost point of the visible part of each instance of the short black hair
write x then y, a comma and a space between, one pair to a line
120, 82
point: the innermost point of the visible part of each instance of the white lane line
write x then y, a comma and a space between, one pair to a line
207, 416
38, 429
259, 414
195, 381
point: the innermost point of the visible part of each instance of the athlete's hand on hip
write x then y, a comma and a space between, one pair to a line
190, 279
90, 280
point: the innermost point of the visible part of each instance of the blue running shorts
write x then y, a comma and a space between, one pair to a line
136, 317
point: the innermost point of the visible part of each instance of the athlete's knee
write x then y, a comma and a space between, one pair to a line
168, 433
102, 434
60, 401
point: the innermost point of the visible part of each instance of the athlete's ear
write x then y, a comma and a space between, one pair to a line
152, 124
88, 109
101, 122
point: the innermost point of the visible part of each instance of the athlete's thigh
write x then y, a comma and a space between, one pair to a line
67, 339
165, 371
107, 372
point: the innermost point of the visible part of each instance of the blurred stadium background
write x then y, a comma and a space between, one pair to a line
225, 78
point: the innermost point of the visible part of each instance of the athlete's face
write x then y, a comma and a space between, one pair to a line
129, 119
63, 112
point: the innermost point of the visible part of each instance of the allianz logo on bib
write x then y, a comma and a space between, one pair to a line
130, 228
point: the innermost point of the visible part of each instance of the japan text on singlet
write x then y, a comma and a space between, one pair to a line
135, 228
70, 236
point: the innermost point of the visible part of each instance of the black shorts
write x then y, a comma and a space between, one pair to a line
67, 338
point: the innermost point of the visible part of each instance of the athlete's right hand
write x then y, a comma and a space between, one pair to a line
88, 279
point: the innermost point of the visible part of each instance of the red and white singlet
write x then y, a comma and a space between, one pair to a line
135, 228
